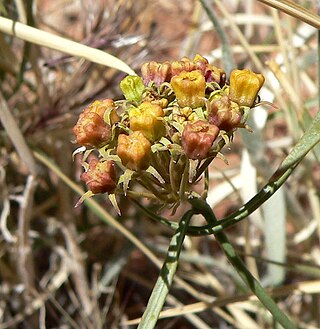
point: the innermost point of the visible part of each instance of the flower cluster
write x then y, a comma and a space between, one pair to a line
173, 122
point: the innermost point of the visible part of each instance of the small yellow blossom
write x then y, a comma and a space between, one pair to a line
244, 86
189, 88
145, 118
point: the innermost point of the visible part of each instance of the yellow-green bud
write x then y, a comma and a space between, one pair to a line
132, 88
145, 118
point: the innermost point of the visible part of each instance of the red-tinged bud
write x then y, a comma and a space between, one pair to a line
146, 118
224, 113
156, 72
197, 139
189, 88
214, 74
184, 65
244, 86
134, 151
91, 130
209, 71
100, 177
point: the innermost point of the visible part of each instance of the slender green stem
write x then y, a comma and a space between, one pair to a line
226, 50
165, 279
305, 144
203, 208
309, 139
155, 217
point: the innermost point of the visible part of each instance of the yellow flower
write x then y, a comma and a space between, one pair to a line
244, 86
189, 88
134, 151
145, 118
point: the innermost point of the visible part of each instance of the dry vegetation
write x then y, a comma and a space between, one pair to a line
66, 267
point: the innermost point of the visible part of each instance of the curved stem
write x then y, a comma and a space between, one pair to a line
165, 279
203, 208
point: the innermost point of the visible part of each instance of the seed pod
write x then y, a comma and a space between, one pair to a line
244, 86
197, 139
100, 177
134, 151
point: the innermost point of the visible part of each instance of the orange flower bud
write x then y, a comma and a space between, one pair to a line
100, 177
145, 118
134, 151
197, 139
100, 107
244, 86
224, 113
156, 72
189, 88
91, 130
106, 109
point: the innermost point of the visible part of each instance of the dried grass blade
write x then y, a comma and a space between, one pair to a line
294, 10
46, 39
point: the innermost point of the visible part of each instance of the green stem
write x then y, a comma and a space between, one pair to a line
165, 279
203, 208
226, 50
155, 217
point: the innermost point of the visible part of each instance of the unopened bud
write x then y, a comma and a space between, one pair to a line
134, 151
91, 130
184, 65
189, 88
100, 177
224, 113
156, 72
145, 118
132, 88
197, 139
244, 86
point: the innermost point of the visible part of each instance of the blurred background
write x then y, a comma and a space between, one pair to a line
85, 267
